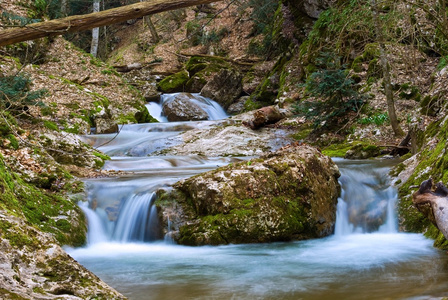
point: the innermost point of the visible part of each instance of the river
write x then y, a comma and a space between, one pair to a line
357, 262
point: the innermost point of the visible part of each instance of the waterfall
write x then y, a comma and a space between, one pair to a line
367, 201
137, 220
117, 213
212, 108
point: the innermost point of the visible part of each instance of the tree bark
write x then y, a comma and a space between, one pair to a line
64, 7
89, 21
398, 132
95, 31
438, 202
152, 28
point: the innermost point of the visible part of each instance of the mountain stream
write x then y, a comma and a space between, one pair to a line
357, 262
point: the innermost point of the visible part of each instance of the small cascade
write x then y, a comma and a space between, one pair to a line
137, 220
168, 236
155, 110
212, 108
121, 214
367, 202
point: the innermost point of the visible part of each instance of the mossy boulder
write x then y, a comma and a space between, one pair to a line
34, 266
362, 151
225, 87
203, 69
370, 54
430, 162
174, 83
290, 194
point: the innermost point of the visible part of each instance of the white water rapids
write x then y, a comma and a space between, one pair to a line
357, 262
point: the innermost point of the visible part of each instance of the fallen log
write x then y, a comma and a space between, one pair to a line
264, 116
233, 61
134, 66
93, 20
437, 201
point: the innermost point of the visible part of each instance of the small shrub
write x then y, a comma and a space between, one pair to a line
15, 93
377, 119
334, 91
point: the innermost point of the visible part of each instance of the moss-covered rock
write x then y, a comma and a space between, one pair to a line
430, 162
362, 151
174, 83
34, 266
225, 87
290, 194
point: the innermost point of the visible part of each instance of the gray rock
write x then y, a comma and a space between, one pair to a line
225, 87
105, 125
181, 107
313, 8
238, 106
41, 269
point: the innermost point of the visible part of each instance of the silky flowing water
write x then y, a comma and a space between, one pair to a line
357, 262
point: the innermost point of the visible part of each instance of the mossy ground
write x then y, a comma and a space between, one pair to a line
49, 211
433, 163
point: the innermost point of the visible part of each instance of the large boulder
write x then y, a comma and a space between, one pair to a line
183, 107
225, 87
286, 195
34, 266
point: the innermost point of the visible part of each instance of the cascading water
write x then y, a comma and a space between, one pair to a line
367, 258
367, 202
212, 108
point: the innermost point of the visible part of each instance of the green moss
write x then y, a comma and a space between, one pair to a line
267, 91
40, 208
302, 134
408, 91
336, 150
174, 83
439, 239
14, 143
51, 125
101, 155
11, 295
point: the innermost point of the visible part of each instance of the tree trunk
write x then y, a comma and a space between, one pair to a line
386, 74
152, 28
438, 202
89, 21
95, 31
64, 7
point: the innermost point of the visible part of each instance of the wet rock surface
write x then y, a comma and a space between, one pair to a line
286, 195
183, 107
33, 266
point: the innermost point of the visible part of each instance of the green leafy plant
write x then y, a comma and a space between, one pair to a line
334, 93
15, 93
377, 119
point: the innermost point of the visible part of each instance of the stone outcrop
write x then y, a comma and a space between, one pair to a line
225, 87
33, 266
286, 195
313, 8
182, 107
